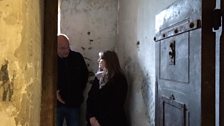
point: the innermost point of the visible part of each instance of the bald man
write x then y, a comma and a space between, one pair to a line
72, 79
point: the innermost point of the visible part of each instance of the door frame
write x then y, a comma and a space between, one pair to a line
208, 65
49, 63
221, 86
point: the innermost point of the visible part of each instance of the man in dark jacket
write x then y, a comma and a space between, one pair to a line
72, 79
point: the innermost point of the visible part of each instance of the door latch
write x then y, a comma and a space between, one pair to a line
217, 18
172, 53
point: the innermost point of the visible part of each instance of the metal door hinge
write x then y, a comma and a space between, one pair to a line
217, 18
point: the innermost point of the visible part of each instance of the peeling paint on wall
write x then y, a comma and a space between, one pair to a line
7, 84
20, 62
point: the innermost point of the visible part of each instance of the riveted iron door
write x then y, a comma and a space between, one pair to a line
185, 61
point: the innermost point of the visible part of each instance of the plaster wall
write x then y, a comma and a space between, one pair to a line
91, 26
20, 62
136, 50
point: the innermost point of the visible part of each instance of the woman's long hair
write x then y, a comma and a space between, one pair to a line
112, 63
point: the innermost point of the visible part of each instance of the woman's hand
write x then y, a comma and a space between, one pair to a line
59, 97
94, 122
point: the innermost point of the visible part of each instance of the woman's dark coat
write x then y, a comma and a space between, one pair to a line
107, 103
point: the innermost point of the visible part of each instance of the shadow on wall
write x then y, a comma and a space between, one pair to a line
139, 82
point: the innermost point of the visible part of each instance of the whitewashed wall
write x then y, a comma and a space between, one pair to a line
91, 26
136, 30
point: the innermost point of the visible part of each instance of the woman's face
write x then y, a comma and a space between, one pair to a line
102, 64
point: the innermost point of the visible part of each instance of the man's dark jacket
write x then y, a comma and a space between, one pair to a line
72, 79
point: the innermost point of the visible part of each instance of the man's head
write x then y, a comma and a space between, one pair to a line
63, 46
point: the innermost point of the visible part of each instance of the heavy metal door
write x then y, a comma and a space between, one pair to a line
185, 64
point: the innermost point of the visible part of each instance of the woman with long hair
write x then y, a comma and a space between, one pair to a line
106, 98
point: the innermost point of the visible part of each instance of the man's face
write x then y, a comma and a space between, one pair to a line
63, 47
